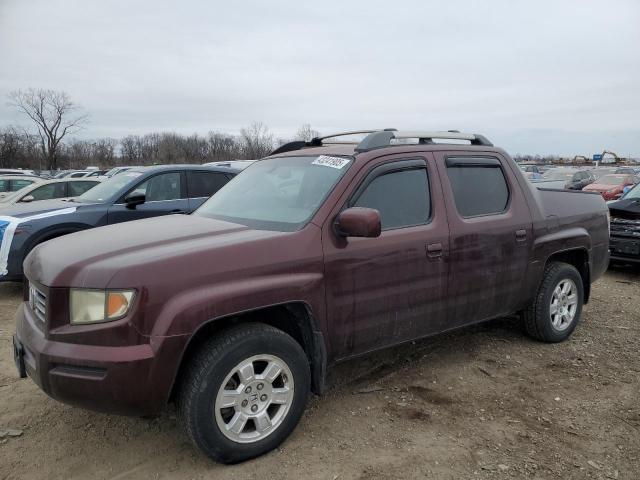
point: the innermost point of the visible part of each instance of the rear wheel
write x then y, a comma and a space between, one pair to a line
244, 392
556, 310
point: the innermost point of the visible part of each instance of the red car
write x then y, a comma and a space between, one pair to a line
611, 186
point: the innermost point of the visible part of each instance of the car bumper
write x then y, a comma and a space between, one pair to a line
624, 249
124, 380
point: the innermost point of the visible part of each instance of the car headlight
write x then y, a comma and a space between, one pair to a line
93, 306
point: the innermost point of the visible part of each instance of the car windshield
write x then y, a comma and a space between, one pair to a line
612, 180
280, 194
558, 175
632, 194
105, 190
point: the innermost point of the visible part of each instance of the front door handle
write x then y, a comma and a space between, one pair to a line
434, 250
177, 211
521, 235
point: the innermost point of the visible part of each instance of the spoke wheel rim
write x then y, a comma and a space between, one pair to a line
254, 398
564, 304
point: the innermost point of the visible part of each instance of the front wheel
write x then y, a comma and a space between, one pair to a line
556, 310
244, 392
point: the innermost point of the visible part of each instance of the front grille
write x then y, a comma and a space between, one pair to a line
625, 227
38, 302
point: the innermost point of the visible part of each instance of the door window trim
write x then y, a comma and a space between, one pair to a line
458, 161
393, 166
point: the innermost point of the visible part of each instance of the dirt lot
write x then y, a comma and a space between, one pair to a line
484, 402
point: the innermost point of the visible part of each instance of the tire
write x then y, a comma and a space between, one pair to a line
538, 319
219, 375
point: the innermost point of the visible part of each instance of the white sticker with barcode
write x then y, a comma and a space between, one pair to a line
333, 162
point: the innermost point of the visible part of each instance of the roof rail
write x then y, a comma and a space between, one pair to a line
383, 138
320, 141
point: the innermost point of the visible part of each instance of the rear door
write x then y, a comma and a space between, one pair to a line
165, 193
201, 184
389, 289
490, 228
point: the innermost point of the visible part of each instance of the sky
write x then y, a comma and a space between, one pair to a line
537, 77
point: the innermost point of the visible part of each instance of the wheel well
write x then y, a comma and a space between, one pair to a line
295, 319
579, 258
50, 235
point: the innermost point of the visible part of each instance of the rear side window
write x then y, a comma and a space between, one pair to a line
401, 197
204, 184
46, 192
479, 186
18, 184
78, 188
4, 185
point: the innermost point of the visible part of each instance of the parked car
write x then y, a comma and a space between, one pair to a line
13, 183
313, 255
611, 186
116, 170
46, 190
625, 171
15, 171
566, 178
625, 227
140, 193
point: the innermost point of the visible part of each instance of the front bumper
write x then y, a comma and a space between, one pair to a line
128, 380
625, 249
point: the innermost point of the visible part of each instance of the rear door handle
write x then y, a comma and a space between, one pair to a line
521, 235
434, 250
177, 211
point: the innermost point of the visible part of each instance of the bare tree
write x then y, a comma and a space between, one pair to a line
54, 114
306, 133
257, 141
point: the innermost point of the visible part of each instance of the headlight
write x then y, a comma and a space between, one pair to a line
92, 306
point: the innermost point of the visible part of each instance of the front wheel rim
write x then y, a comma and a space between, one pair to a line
254, 398
564, 304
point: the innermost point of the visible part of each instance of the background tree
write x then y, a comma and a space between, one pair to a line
257, 141
306, 133
54, 115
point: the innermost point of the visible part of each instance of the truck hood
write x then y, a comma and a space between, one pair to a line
134, 250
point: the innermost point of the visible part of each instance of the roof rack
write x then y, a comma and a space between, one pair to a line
320, 141
383, 138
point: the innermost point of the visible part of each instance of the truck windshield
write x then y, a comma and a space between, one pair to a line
279, 194
105, 190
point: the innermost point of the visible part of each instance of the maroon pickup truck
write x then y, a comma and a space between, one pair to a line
315, 254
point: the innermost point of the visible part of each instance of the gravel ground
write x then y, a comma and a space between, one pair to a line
483, 402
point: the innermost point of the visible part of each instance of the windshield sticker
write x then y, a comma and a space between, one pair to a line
333, 162
8, 227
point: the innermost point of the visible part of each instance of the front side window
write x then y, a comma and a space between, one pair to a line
401, 197
162, 187
4, 185
280, 194
478, 189
204, 184
19, 184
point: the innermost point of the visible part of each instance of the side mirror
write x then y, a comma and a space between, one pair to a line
132, 201
358, 222
28, 198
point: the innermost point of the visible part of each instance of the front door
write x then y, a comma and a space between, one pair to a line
385, 290
163, 195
